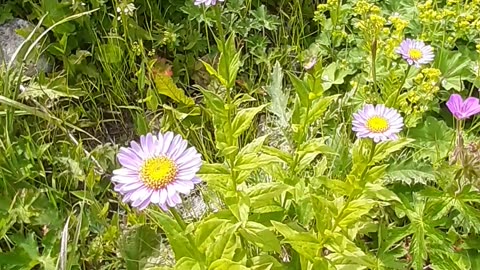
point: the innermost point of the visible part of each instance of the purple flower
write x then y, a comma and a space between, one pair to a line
463, 109
156, 171
415, 52
377, 122
207, 3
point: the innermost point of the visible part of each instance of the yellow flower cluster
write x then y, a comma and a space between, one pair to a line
458, 18
395, 36
421, 96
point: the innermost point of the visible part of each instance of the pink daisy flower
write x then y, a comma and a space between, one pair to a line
156, 171
377, 122
415, 52
463, 109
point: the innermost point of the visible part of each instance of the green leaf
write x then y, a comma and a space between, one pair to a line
301, 88
177, 239
410, 172
243, 120
433, 140
239, 204
279, 98
226, 243
353, 211
261, 236
137, 245
347, 249
384, 149
206, 232
165, 86
214, 73
333, 74
264, 192
223, 264
454, 67
380, 192
110, 53
305, 243
264, 261
187, 263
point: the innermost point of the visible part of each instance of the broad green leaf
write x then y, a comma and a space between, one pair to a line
253, 161
318, 108
243, 120
334, 74
454, 67
263, 262
226, 243
224, 264
305, 243
137, 245
214, 73
384, 149
206, 231
187, 263
177, 239
354, 211
279, 98
301, 88
433, 139
380, 192
349, 251
165, 86
261, 236
239, 204
254, 146
265, 191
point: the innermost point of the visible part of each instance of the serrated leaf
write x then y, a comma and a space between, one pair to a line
410, 173
279, 98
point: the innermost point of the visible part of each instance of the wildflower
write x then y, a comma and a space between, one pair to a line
207, 3
377, 122
310, 63
415, 52
125, 9
156, 171
463, 109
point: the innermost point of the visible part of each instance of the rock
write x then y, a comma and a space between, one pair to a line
10, 40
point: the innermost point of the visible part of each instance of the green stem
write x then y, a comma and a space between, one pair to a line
178, 218
352, 193
218, 12
374, 66
401, 85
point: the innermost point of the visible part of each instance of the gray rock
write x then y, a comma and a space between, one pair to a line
10, 40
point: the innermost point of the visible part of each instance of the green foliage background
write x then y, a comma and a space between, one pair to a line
287, 184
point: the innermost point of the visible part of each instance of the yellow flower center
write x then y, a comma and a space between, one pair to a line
377, 124
415, 54
157, 173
